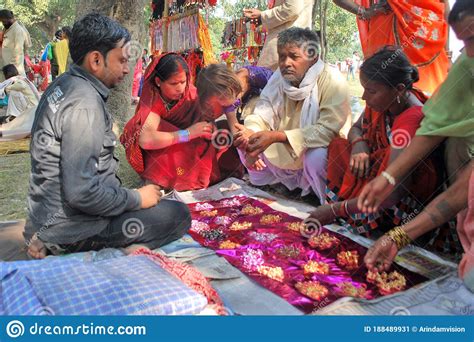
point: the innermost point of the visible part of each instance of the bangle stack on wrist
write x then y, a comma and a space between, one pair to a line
400, 237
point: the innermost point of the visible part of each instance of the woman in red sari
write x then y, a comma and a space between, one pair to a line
168, 141
419, 27
390, 120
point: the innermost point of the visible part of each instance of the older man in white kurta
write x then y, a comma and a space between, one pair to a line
282, 15
303, 107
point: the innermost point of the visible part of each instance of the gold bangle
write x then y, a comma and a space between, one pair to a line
399, 237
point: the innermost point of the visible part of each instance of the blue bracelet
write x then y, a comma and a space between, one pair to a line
183, 136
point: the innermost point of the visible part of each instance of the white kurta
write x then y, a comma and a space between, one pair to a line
333, 119
302, 162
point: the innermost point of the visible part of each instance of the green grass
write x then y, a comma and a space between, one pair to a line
14, 182
14, 178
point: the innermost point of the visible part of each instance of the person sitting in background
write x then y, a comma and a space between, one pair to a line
22, 94
304, 106
389, 122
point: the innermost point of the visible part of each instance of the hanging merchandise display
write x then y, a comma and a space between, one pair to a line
178, 26
244, 39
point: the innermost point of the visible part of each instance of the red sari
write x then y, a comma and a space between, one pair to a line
419, 27
381, 135
185, 166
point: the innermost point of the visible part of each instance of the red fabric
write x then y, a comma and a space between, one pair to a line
137, 76
419, 28
345, 185
185, 166
45, 71
189, 276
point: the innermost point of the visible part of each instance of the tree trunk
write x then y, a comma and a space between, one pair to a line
49, 25
324, 26
130, 13
316, 5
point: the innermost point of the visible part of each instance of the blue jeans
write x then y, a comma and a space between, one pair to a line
153, 227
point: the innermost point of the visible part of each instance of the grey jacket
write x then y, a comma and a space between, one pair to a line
74, 190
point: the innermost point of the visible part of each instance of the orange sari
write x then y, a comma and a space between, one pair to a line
419, 27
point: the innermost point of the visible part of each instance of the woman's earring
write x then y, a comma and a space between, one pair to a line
398, 99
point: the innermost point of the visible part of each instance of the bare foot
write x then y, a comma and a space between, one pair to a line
37, 249
133, 248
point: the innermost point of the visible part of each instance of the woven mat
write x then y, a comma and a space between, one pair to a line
17, 146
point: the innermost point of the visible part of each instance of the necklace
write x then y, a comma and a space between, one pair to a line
168, 105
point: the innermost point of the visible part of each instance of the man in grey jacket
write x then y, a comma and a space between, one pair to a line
76, 201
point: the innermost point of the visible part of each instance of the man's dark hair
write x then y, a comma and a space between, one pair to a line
461, 9
58, 34
9, 71
95, 32
67, 31
301, 38
6, 14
